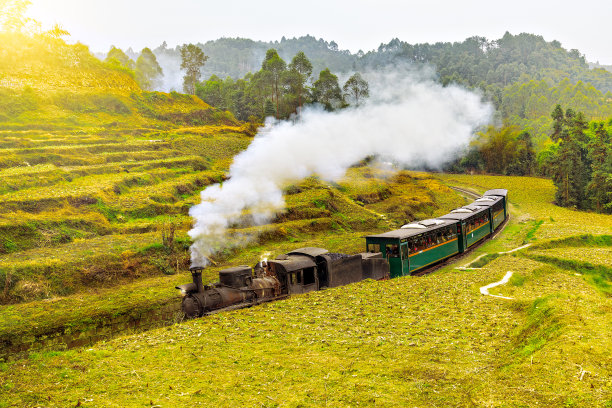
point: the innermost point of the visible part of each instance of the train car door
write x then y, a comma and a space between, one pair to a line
392, 253
405, 259
461, 236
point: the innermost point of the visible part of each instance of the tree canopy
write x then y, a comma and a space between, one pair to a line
147, 70
192, 60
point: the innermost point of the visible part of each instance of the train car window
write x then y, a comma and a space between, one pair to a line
292, 278
404, 251
373, 248
299, 277
392, 251
309, 276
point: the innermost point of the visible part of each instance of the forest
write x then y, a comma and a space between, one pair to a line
527, 79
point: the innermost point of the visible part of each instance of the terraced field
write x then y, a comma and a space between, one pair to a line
428, 341
71, 206
87, 213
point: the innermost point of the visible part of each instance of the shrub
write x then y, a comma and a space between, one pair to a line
91, 103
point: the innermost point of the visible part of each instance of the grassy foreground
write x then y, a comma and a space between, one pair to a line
430, 341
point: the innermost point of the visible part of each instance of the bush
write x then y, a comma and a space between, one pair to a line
91, 103
13, 104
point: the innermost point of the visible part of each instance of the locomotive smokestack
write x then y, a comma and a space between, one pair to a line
196, 274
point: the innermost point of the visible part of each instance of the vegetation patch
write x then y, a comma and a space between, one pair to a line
598, 275
540, 327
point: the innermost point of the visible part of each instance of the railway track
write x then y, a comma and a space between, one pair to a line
470, 193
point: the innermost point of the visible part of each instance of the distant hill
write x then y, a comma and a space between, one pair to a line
476, 61
235, 57
523, 75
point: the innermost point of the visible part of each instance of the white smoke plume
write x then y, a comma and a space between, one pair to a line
409, 119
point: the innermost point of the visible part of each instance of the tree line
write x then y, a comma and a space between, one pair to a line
146, 71
578, 158
279, 89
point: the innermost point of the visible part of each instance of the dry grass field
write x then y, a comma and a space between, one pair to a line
413, 341
93, 171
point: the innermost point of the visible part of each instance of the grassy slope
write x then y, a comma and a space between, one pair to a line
431, 341
92, 169
317, 215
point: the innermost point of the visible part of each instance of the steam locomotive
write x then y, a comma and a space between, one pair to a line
401, 252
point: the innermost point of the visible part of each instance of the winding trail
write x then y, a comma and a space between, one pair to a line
485, 289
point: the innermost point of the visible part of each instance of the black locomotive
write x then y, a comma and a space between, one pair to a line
299, 271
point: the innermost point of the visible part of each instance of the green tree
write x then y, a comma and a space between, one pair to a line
356, 88
117, 58
260, 88
192, 60
301, 65
148, 71
570, 169
558, 122
293, 90
524, 162
599, 189
212, 92
275, 66
498, 148
326, 90
269, 108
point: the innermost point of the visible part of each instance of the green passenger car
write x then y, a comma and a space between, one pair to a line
422, 243
416, 245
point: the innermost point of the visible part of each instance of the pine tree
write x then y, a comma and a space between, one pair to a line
571, 169
599, 189
269, 108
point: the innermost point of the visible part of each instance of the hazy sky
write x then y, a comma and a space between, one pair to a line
353, 24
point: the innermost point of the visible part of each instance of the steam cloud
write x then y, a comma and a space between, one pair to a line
409, 119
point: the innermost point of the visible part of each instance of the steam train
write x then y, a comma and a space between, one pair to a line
405, 251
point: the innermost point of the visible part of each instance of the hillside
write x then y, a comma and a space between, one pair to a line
91, 167
433, 340
48, 84
96, 185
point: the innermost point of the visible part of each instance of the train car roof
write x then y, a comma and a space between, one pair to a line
464, 212
312, 252
406, 231
497, 192
487, 201
292, 263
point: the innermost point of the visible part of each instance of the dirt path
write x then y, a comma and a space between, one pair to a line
485, 289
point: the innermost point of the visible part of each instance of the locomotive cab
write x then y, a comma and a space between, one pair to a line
296, 273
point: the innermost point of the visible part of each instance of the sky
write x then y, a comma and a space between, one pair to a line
352, 24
